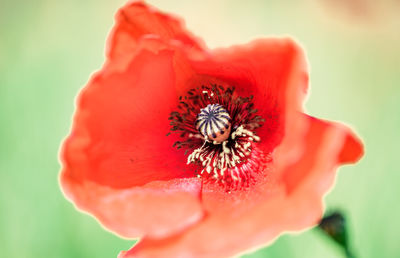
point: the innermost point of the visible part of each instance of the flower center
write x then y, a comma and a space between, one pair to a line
218, 129
214, 123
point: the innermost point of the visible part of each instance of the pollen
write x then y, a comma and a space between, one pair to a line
228, 159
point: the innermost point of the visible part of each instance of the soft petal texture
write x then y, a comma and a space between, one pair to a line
273, 70
107, 149
115, 150
119, 134
135, 21
116, 146
244, 220
320, 137
156, 209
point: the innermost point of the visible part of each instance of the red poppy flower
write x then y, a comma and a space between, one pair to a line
201, 153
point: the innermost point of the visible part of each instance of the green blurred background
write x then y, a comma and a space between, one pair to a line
49, 48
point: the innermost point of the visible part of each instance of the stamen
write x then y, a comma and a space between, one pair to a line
218, 129
227, 156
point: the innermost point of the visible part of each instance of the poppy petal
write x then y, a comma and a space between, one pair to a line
119, 132
137, 20
273, 70
320, 135
118, 150
243, 220
159, 208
